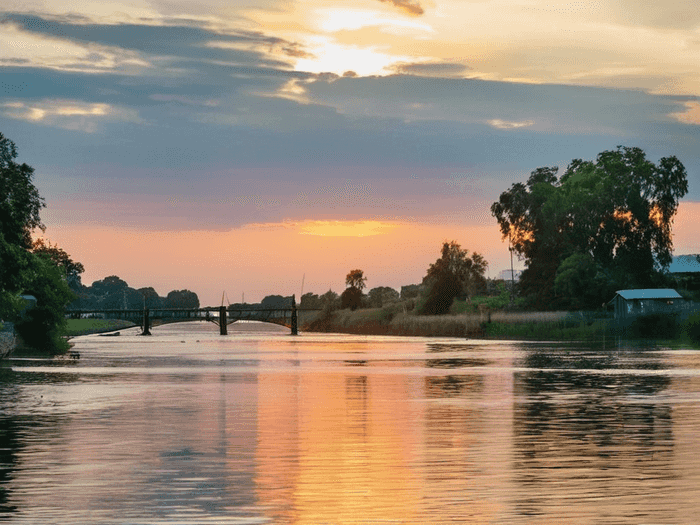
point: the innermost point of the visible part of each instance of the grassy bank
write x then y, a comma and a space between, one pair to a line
392, 320
76, 327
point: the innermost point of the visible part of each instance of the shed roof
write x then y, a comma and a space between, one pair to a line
649, 293
685, 264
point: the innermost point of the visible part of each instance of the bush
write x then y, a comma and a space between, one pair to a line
654, 326
691, 327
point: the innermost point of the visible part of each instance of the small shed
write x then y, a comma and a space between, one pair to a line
632, 303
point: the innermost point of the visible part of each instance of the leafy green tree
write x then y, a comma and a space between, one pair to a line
20, 202
72, 268
43, 325
378, 297
615, 212
453, 275
14, 266
24, 272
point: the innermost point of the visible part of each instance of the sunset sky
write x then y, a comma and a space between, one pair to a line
247, 146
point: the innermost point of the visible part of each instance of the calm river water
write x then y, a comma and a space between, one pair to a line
189, 427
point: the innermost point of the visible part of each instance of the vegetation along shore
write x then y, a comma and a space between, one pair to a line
601, 227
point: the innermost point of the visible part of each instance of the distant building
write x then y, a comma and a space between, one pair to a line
505, 275
685, 270
632, 303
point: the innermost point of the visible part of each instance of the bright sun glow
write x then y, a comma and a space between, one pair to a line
346, 228
329, 57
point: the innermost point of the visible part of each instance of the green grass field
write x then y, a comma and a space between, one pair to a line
77, 327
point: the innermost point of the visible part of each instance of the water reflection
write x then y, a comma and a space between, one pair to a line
575, 422
265, 428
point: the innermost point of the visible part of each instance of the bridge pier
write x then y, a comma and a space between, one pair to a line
223, 322
146, 322
294, 322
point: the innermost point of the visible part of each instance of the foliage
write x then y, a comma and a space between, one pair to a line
111, 285
182, 299
310, 300
454, 274
71, 268
691, 327
43, 325
20, 202
150, 297
378, 297
355, 279
14, 264
411, 291
352, 295
351, 298
330, 300
614, 214
654, 326
40, 274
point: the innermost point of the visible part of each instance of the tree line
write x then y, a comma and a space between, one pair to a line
601, 226
113, 293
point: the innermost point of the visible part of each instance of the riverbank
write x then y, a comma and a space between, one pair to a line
76, 327
489, 325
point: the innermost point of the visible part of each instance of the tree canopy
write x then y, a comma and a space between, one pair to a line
352, 295
26, 268
603, 225
355, 279
20, 202
454, 274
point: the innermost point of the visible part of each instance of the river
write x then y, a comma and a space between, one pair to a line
190, 427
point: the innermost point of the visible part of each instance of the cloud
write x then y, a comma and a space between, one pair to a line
691, 115
412, 8
67, 114
432, 69
505, 124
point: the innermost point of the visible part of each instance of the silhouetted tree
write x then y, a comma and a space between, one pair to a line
152, 299
454, 274
310, 300
378, 297
352, 295
615, 214
182, 299
355, 279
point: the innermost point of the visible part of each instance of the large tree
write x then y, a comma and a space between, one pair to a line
454, 274
601, 226
22, 272
20, 202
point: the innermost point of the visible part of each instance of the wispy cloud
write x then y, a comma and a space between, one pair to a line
432, 69
68, 114
509, 124
412, 8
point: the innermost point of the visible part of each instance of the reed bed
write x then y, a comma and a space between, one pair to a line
500, 324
